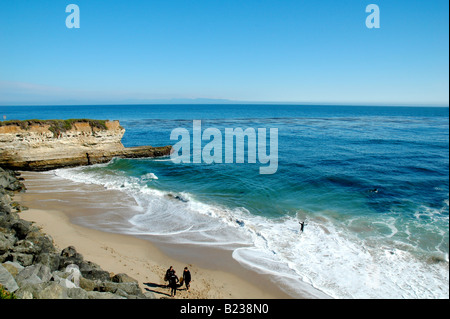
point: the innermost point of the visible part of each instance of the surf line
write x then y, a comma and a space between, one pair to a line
212, 152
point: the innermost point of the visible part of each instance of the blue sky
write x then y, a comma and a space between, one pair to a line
244, 50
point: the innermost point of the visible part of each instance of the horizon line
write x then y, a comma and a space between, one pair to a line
206, 101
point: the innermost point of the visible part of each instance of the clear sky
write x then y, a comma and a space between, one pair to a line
246, 50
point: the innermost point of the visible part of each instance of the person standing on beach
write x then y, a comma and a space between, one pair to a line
173, 284
169, 273
187, 278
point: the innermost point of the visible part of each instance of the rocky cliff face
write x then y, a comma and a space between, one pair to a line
44, 145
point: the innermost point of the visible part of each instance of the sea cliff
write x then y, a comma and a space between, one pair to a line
41, 145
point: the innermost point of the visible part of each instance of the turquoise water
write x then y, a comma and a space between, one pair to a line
371, 181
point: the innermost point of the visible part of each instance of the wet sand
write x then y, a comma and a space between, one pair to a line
57, 205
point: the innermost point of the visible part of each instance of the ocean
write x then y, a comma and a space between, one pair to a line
372, 184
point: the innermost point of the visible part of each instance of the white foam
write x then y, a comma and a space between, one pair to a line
327, 256
149, 176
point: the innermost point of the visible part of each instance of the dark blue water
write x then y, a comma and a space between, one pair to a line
372, 182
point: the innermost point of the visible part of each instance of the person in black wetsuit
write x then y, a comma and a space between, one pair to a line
173, 284
169, 273
187, 278
302, 225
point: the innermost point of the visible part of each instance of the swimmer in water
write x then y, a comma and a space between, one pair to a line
302, 225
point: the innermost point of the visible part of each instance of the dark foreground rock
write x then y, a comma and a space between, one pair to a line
32, 268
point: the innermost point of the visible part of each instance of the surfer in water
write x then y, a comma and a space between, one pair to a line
302, 225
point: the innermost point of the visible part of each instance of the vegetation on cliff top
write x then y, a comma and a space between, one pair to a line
56, 126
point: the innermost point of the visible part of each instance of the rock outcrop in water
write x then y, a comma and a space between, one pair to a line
41, 145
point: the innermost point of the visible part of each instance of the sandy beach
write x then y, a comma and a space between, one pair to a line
215, 275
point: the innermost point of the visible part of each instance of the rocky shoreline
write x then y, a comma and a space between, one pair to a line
31, 267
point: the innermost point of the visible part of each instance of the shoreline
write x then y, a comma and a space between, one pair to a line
219, 277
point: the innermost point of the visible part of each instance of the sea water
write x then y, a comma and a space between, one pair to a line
371, 182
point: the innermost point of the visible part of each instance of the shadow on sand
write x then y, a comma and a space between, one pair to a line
153, 285
160, 291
